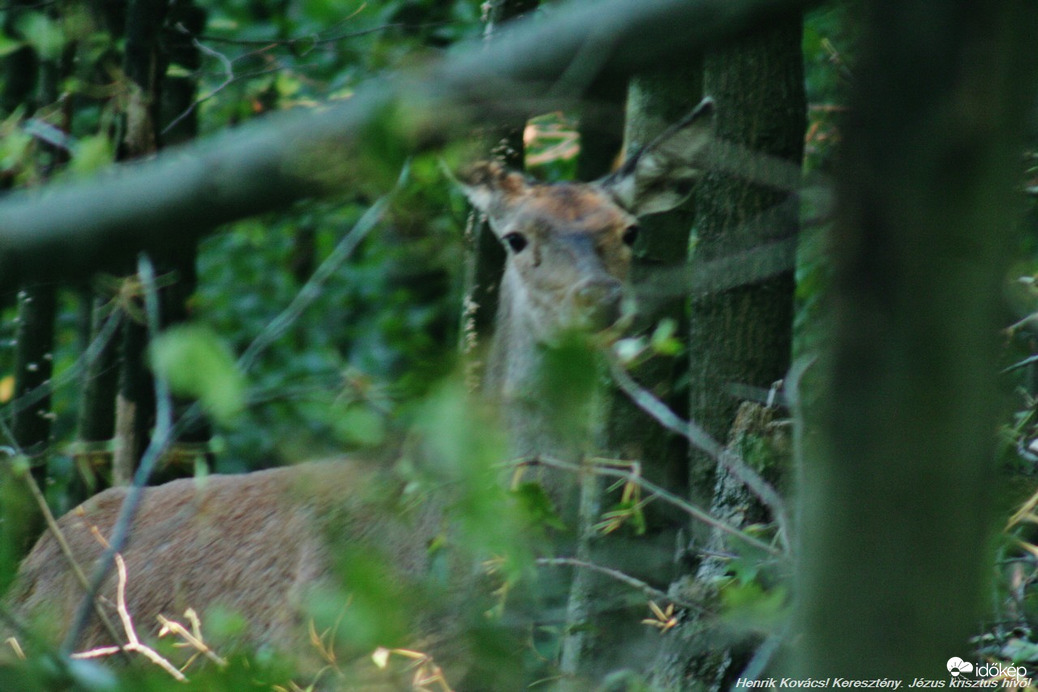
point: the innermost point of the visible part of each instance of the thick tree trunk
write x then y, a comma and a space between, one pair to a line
742, 336
896, 514
739, 336
653, 104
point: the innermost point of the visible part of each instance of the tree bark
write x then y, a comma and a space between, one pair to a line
144, 64
600, 613
741, 335
896, 515
654, 103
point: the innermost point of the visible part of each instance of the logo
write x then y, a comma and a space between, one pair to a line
956, 666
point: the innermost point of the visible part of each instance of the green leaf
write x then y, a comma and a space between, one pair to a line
44, 34
360, 425
537, 505
663, 340
90, 154
197, 364
9, 45
753, 601
15, 147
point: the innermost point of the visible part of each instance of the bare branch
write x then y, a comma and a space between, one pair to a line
622, 577
66, 551
312, 289
162, 437
703, 441
228, 78
133, 644
684, 505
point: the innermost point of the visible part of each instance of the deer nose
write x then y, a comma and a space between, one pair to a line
598, 300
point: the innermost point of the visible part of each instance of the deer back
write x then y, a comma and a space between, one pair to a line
258, 545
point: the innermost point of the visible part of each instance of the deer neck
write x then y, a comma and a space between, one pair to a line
515, 381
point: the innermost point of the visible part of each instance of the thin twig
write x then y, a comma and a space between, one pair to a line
193, 639
624, 578
228, 69
66, 551
309, 40
665, 495
702, 440
133, 644
312, 289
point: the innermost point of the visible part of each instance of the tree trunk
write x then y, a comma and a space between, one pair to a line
31, 424
93, 450
654, 103
179, 123
485, 260
96, 421
741, 335
601, 128
896, 516
37, 307
601, 614
148, 50
20, 65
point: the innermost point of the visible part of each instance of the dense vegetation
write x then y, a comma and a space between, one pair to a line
351, 332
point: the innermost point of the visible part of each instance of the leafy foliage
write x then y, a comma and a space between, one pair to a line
365, 366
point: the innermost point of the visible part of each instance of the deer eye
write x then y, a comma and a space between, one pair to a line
630, 235
516, 241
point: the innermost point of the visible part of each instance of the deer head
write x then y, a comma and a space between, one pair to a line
569, 244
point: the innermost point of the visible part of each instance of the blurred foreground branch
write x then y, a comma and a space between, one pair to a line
70, 230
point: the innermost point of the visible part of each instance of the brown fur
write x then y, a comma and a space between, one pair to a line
207, 544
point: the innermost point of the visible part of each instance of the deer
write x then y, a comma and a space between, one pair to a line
268, 545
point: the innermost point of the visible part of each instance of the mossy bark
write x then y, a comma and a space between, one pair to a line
740, 332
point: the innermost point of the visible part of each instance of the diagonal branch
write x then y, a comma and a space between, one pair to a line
702, 440
162, 437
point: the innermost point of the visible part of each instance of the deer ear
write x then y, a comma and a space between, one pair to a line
490, 187
661, 175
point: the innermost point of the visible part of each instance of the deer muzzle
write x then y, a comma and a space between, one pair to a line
597, 302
